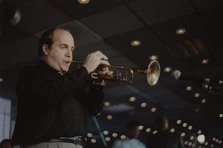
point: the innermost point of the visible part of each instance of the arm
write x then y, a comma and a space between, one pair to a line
43, 84
94, 100
48, 86
94, 95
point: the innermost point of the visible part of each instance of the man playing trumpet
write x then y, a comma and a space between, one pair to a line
53, 102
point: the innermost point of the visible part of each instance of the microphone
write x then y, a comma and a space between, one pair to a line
201, 81
209, 85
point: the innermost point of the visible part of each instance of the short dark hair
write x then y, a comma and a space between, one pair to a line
132, 124
47, 38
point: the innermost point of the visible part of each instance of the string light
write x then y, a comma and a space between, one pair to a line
172, 130
190, 127
143, 105
132, 99
148, 130
109, 117
204, 61
180, 31
189, 88
106, 103
89, 134
122, 136
201, 138
155, 132
105, 132
153, 57
141, 127
135, 43
153, 109
167, 69
184, 124
83, 1
114, 135
93, 141
178, 121
196, 95
107, 138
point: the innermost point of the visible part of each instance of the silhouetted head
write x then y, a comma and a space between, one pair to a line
162, 123
6, 143
133, 129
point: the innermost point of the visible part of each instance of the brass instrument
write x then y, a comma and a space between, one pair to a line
126, 74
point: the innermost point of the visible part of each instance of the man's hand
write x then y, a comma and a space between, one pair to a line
104, 71
98, 62
95, 59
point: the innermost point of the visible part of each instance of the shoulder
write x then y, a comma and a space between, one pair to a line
138, 143
117, 143
31, 72
29, 69
40, 68
121, 142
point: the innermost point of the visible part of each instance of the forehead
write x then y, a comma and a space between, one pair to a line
63, 36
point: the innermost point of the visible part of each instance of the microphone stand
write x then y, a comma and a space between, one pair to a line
99, 131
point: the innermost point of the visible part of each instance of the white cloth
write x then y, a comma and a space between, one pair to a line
128, 143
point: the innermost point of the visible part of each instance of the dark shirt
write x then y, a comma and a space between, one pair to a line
51, 105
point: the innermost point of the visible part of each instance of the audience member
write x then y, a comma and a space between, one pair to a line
131, 140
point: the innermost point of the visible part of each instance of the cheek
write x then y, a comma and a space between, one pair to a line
57, 55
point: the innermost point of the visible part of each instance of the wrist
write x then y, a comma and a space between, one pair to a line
87, 68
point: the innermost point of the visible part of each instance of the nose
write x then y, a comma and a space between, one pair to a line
69, 53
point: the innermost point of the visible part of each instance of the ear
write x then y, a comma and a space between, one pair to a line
45, 49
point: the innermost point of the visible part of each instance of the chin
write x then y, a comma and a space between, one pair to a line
64, 68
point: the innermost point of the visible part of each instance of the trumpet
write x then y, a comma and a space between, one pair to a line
126, 74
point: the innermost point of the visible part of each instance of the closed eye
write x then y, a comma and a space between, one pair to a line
63, 47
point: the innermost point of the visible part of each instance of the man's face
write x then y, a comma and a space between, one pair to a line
60, 54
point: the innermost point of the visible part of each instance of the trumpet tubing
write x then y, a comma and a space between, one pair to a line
126, 74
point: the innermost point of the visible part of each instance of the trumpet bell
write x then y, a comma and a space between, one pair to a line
153, 72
